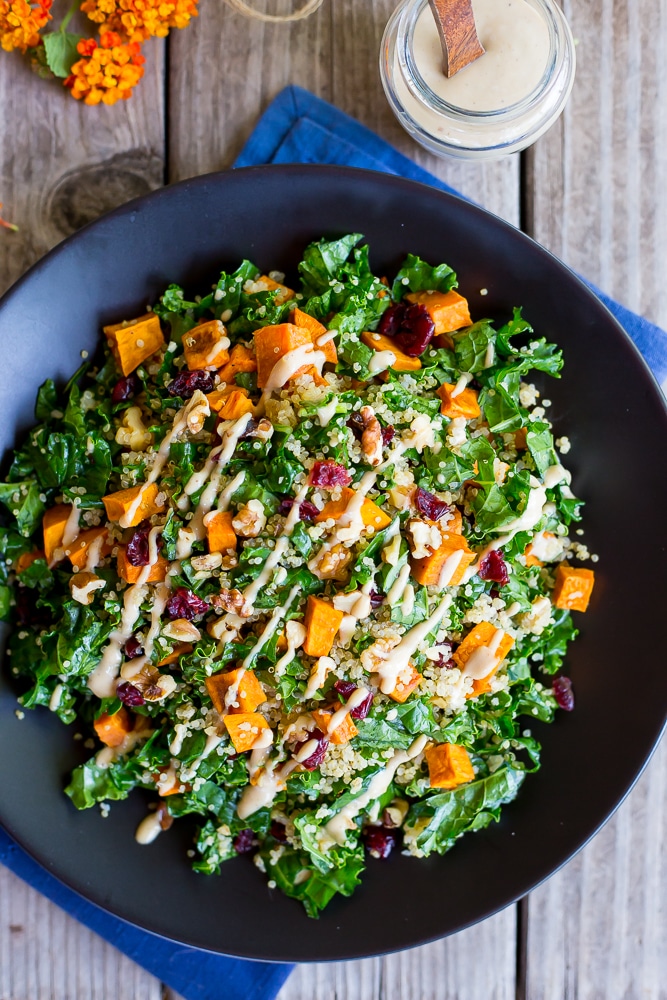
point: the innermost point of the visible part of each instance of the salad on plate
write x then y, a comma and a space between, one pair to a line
301, 562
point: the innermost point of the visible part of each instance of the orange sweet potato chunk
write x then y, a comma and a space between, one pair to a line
53, 526
133, 342
342, 734
112, 729
316, 330
249, 696
26, 559
573, 587
449, 765
244, 728
236, 403
177, 652
272, 343
241, 359
130, 573
117, 504
204, 345
78, 550
406, 683
449, 310
371, 514
378, 342
271, 286
322, 622
464, 404
482, 635
221, 535
431, 570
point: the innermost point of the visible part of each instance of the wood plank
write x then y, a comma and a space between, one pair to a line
597, 929
46, 955
62, 163
597, 182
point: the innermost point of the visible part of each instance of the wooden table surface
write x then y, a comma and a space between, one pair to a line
594, 191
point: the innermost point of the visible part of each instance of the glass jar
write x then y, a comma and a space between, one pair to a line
446, 129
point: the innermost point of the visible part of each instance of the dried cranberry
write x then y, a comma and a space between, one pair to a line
125, 388
27, 612
129, 695
184, 604
356, 424
317, 756
307, 510
187, 383
429, 505
327, 473
379, 841
244, 842
345, 689
563, 693
388, 433
278, 832
133, 648
493, 567
411, 326
137, 549
377, 598
165, 819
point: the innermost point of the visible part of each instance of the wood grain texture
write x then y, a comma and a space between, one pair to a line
597, 929
62, 164
46, 955
597, 182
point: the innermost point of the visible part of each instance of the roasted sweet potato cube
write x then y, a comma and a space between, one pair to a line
206, 345
322, 622
573, 587
520, 439
378, 342
341, 734
134, 341
454, 526
285, 293
241, 359
272, 343
371, 514
80, 548
130, 573
112, 729
449, 765
26, 559
316, 330
499, 644
244, 728
447, 565
118, 505
177, 652
53, 527
249, 695
464, 404
407, 681
221, 535
235, 405
448, 310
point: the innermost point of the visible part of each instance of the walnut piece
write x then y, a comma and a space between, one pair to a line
371, 437
333, 563
250, 519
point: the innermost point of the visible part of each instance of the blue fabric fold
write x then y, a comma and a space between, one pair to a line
296, 128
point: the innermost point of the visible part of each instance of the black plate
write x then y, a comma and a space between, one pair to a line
608, 405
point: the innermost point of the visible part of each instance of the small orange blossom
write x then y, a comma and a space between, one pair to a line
107, 72
20, 23
141, 19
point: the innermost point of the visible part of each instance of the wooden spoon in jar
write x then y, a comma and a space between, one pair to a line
458, 34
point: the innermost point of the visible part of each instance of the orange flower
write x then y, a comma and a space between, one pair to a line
107, 72
141, 19
21, 21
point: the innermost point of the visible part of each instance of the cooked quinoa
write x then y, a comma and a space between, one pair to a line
299, 557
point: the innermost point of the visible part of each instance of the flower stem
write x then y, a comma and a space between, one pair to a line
70, 14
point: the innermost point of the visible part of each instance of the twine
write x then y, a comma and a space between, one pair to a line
244, 8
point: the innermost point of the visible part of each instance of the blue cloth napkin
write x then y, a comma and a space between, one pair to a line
296, 128
301, 128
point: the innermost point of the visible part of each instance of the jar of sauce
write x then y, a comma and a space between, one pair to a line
498, 104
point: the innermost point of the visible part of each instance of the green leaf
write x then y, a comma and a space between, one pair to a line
415, 275
61, 52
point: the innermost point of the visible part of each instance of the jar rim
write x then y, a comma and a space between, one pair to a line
422, 92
